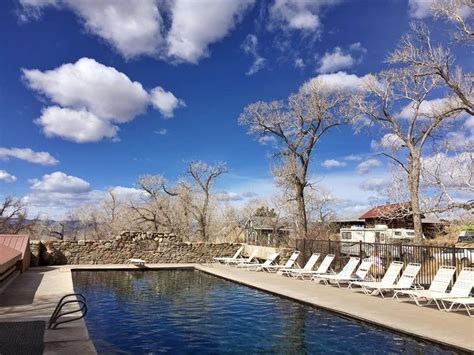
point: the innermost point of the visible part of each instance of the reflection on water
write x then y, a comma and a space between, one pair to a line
189, 312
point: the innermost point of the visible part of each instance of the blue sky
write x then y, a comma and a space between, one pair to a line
183, 75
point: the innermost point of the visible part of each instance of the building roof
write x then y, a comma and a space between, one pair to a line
392, 210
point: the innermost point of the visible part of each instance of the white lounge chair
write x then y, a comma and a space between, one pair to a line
404, 283
138, 262
293, 272
235, 257
467, 302
388, 279
439, 285
347, 273
259, 267
249, 260
289, 264
323, 268
461, 288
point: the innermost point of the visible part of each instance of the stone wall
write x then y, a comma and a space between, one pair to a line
151, 247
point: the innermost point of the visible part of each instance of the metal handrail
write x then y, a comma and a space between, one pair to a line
80, 299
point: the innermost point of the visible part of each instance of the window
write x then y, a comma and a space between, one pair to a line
346, 235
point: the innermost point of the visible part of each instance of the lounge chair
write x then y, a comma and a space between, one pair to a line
323, 268
437, 291
289, 264
249, 260
404, 283
138, 262
294, 272
259, 267
388, 279
235, 257
347, 274
467, 302
439, 285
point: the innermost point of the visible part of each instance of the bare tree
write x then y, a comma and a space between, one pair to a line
456, 12
397, 100
297, 125
196, 197
13, 215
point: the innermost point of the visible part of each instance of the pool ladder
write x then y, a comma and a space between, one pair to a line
79, 299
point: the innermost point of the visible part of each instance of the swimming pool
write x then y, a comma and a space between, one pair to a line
185, 311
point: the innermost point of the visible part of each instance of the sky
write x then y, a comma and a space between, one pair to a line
95, 94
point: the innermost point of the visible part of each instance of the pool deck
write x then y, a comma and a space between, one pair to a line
34, 294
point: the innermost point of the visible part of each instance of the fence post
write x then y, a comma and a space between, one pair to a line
329, 246
360, 249
454, 262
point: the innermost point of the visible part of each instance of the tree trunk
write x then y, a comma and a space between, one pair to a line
414, 186
302, 228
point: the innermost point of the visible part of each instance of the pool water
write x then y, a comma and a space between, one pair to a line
190, 312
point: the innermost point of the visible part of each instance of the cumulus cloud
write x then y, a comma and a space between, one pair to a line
6, 176
132, 28
462, 139
389, 141
298, 14
123, 193
334, 61
338, 81
102, 90
197, 24
332, 163
59, 182
79, 126
42, 158
137, 28
367, 165
431, 108
165, 102
162, 132
92, 99
249, 46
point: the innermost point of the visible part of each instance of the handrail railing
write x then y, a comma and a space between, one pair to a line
79, 299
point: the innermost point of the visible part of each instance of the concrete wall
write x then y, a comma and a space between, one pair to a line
151, 247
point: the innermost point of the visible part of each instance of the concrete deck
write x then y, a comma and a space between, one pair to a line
452, 329
34, 294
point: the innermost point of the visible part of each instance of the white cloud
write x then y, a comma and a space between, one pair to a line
298, 14
299, 63
93, 98
335, 60
162, 132
125, 194
197, 24
43, 158
453, 171
133, 28
332, 163
462, 139
389, 141
374, 184
357, 47
165, 101
59, 182
264, 140
338, 81
367, 165
419, 8
353, 157
249, 46
7, 177
136, 28
431, 108
102, 90
78, 126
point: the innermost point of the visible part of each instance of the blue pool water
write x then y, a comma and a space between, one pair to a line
190, 312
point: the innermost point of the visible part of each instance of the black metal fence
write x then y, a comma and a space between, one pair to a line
430, 257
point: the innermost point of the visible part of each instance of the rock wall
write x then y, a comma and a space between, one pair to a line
151, 247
